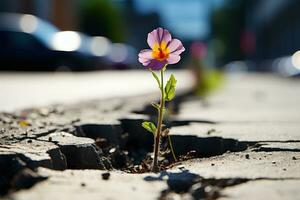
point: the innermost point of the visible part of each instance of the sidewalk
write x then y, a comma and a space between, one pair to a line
23, 90
245, 142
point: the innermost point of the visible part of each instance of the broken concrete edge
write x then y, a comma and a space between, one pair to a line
112, 133
63, 145
235, 145
71, 152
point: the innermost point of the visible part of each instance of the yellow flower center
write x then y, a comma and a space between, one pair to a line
160, 51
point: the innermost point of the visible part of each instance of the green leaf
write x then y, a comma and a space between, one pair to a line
149, 126
170, 88
156, 77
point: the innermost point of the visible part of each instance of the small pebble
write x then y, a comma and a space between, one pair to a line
273, 162
294, 158
247, 156
112, 150
212, 164
181, 167
211, 131
105, 176
83, 184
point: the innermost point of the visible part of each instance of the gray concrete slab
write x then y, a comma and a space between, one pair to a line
277, 165
248, 98
253, 131
263, 189
89, 184
23, 90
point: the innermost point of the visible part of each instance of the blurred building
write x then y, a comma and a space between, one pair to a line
62, 13
139, 24
276, 27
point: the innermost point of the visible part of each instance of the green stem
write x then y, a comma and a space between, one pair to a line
155, 167
172, 149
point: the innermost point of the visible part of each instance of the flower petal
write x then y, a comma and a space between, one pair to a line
152, 39
176, 47
157, 36
156, 65
173, 59
144, 61
145, 53
145, 56
164, 35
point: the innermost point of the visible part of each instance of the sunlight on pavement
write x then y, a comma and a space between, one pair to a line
19, 90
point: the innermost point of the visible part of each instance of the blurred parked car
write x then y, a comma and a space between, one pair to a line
29, 43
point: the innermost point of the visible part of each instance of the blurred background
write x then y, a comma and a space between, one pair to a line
48, 39
78, 35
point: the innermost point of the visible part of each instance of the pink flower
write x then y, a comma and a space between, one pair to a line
164, 50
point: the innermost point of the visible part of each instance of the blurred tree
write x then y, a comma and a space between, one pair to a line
228, 23
101, 18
